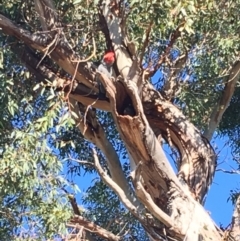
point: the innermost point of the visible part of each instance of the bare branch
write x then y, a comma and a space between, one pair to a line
79, 92
80, 161
61, 53
93, 228
88, 100
74, 205
147, 200
198, 159
94, 132
36, 41
229, 172
223, 103
77, 212
121, 194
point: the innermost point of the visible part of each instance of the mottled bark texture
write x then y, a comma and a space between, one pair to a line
141, 114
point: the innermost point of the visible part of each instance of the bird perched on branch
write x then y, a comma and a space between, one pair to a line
106, 68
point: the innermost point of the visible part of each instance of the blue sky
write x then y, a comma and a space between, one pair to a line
221, 210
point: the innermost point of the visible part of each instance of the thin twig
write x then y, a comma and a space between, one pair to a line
47, 52
106, 179
229, 172
81, 161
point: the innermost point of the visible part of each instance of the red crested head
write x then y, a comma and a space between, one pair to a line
109, 58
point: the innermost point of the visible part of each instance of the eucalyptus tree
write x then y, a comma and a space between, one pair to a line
177, 67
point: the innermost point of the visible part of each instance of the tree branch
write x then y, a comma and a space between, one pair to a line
223, 103
234, 233
77, 212
127, 203
174, 36
93, 228
198, 159
147, 200
117, 36
172, 86
94, 132
79, 91
38, 41
121, 194
47, 14
58, 49
145, 43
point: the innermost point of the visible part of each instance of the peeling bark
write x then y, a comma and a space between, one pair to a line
135, 210
158, 176
173, 200
94, 132
197, 160
172, 86
234, 233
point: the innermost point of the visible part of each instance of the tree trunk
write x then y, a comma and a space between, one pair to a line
170, 204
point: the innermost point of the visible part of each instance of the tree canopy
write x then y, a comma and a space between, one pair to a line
148, 140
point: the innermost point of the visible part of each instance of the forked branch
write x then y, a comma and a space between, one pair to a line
135, 211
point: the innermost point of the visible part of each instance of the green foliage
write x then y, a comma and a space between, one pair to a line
39, 139
230, 124
208, 33
32, 199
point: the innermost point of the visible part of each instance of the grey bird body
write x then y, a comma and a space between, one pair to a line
109, 72
106, 69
